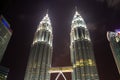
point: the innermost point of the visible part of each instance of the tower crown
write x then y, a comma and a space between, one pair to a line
45, 24
78, 21
79, 30
44, 31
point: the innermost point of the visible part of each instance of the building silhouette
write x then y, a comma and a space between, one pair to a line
5, 35
41, 52
114, 40
82, 57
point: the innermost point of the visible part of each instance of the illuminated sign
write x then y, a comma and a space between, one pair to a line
5, 23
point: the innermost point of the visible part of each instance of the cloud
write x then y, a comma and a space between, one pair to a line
111, 3
91, 26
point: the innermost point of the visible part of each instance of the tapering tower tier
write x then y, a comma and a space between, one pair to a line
41, 52
82, 57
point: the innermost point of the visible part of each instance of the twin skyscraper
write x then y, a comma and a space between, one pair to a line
82, 56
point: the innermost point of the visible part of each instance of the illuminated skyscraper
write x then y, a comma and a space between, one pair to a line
114, 39
82, 56
41, 52
5, 35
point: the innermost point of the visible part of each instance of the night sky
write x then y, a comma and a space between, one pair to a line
25, 15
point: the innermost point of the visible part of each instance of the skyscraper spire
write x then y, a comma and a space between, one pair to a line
41, 52
46, 19
78, 23
78, 20
44, 25
76, 11
82, 57
75, 8
47, 11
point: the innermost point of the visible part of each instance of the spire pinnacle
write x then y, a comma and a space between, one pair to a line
76, 11
47, 13
75, 8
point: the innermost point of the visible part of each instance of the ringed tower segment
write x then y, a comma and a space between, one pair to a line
82, 57
41, 52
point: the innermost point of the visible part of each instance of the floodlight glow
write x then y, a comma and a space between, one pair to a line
117, 30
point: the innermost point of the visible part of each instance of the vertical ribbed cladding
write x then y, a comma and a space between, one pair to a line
44, 31
82, 57
41, 52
